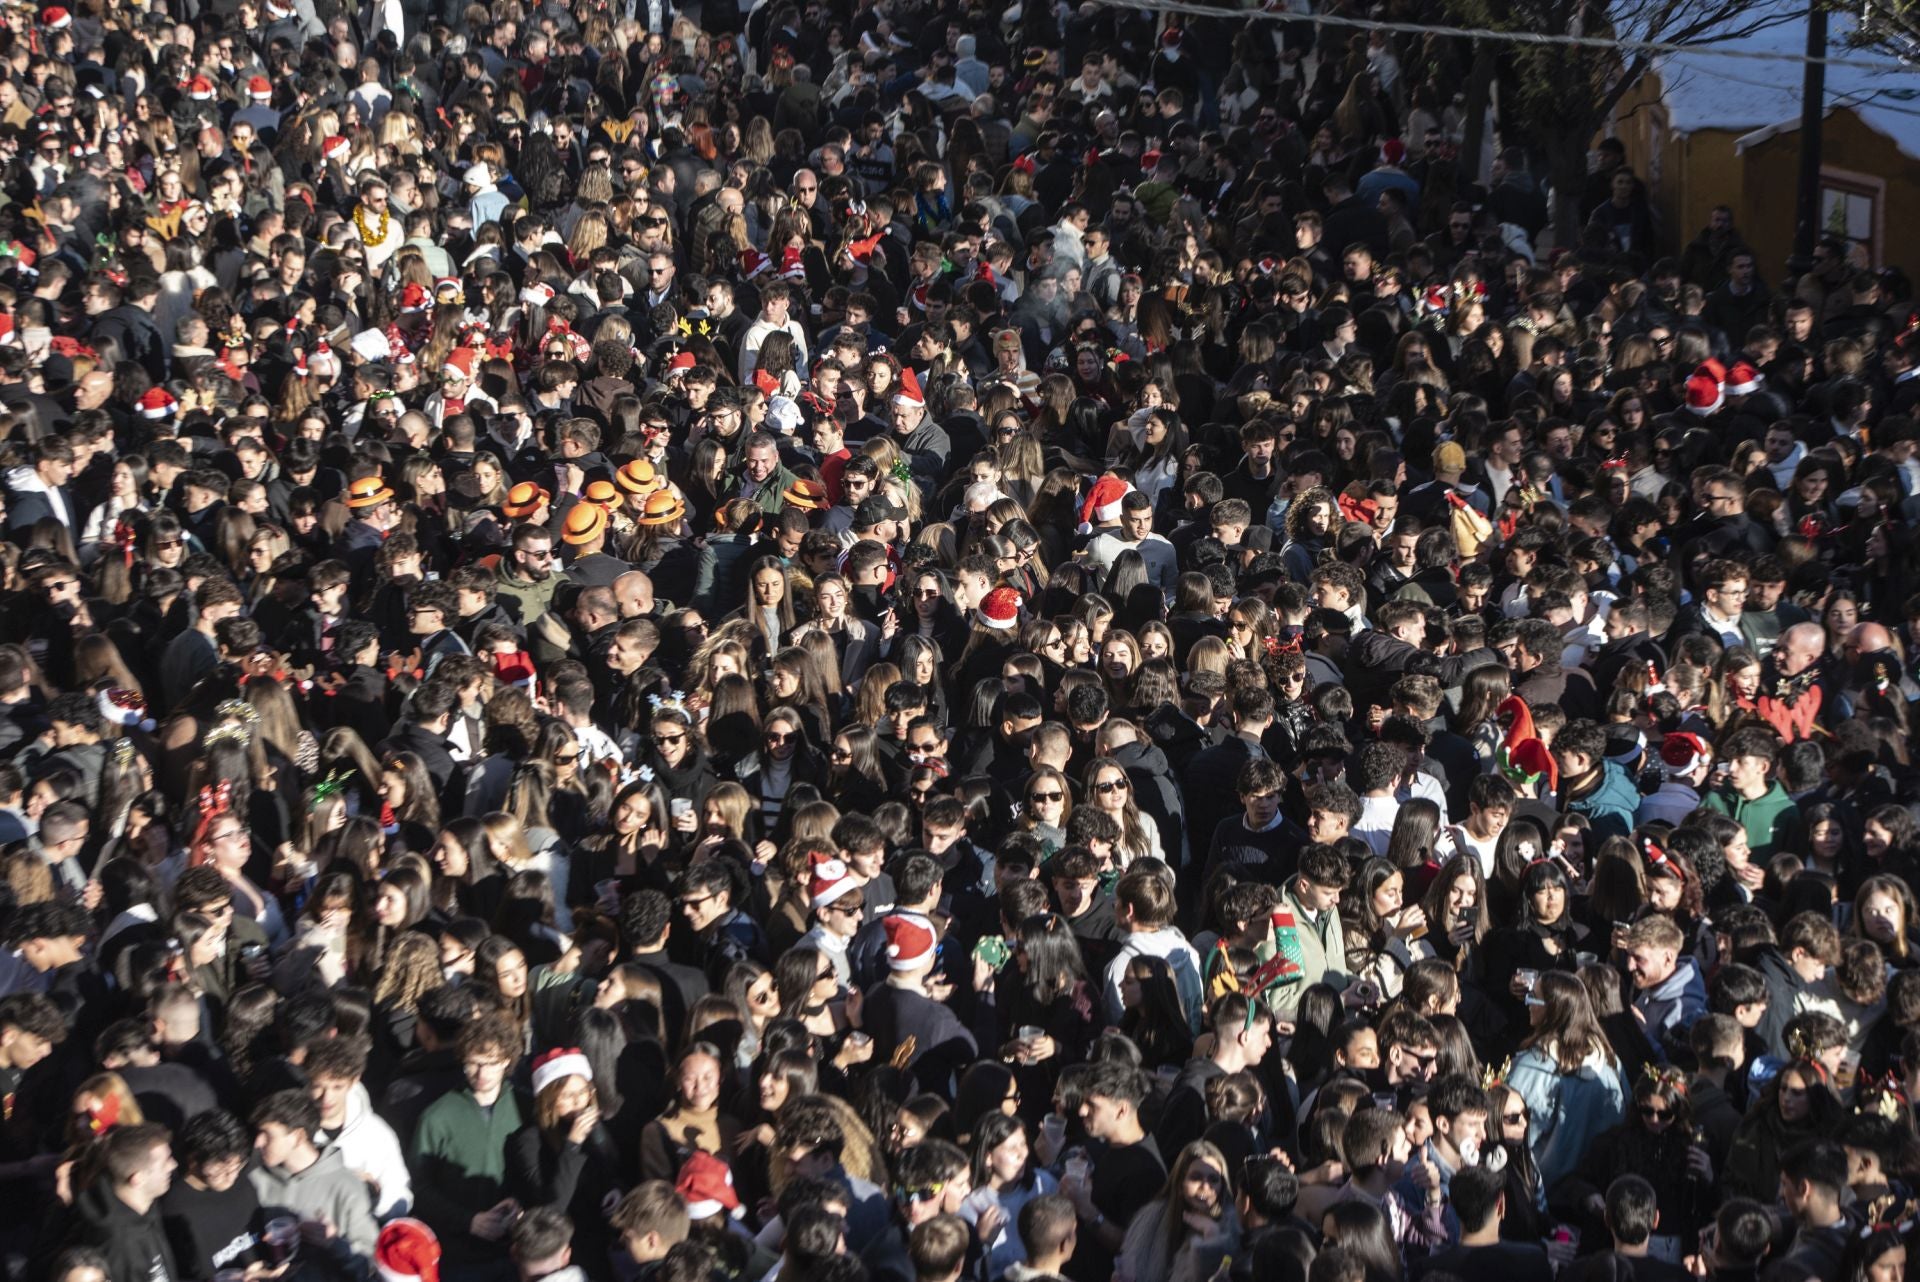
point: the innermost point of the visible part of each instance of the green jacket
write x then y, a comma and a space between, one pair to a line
771, 497
524, 599
1323, 953
1772, 821
459, 1161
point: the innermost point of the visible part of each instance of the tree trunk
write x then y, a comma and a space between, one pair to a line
1479, 96
1567, 165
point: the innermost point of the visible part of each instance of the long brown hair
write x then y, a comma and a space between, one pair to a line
1569, 1031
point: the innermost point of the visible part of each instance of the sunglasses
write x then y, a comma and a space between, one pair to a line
1653, 1114
669, 738
1044, 797
1514, 1119
778, 736
1110, 786
566, 759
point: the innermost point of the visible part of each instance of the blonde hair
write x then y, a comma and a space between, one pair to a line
734, 803
506, 830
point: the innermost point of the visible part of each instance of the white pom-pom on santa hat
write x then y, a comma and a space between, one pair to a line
1103, 502
829, 881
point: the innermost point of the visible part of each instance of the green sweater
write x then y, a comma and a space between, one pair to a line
1772, 820
459, 1161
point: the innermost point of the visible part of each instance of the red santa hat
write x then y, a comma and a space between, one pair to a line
124, 708
200, 89
515, 669
1523, 754
706, 1186
559, 1064
909, 392
1682, 753
260, 89
1704, 395
753, 263
54, 18
158, 403
829, 881
538, 294
406, 1251
460, 362
766, 382
1102, 504
1743, 379
336, 148
910, 942
1000, 609
681, 362
792, 266
413, 297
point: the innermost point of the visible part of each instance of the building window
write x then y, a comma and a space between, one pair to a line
1851, 208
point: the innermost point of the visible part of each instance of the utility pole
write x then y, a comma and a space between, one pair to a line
1813, 101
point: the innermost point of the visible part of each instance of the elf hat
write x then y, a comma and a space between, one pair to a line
559, 1064
910, 942
406, 1251
1682, 753
1523, 755
706, 1186
1102, 504
829, 881
1000, 609
1704, 396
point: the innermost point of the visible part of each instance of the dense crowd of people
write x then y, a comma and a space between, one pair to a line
896, 641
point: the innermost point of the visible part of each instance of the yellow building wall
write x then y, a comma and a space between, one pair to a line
1687, 175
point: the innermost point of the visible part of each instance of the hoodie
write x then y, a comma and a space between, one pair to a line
1671, 1006
1610, 803
368, 1147
325, 1189
135, 1245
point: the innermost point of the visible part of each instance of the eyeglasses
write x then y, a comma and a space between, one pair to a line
1042, 798
697, 900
